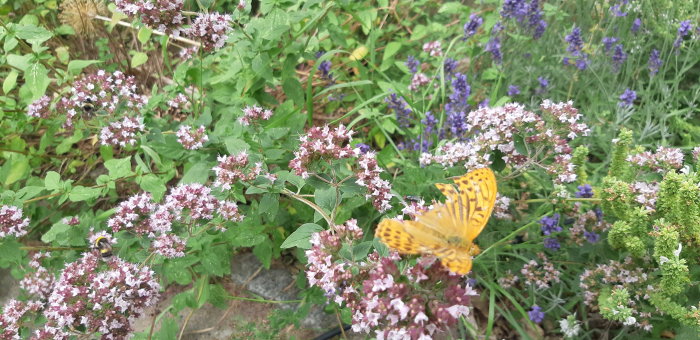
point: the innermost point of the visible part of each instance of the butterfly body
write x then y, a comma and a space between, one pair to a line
448, 230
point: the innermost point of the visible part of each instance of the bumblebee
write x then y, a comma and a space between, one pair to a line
104, 246
88, 109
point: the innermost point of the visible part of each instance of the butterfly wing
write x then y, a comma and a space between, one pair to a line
468, 205
478, 195
409, 237
413, 237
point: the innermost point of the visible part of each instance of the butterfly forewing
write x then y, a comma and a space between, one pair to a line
478, 189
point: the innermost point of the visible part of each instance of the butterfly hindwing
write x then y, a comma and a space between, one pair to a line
409, 237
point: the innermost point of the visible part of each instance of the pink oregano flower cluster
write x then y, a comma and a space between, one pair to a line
625, 274
192, 139
14, 314
328, 144
99, 297
495, 128
211, 29
378, 189
254, 113
11, 222
163, 15
122, 133
185, 203
416, 303
322, 143
100, 91
234, 168
40, 281
662, 160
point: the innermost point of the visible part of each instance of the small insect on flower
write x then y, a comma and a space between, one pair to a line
104, 246
448, 230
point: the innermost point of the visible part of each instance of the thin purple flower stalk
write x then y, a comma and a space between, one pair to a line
552, 243
412, 63
575, 42
494, 47
513, 90
550, 225
619, 57
404, 114
636, 25
608, 43
460, 93
472, 26
684, 29
655, 62
627, 98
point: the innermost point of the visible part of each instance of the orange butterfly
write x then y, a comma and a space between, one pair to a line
447, 231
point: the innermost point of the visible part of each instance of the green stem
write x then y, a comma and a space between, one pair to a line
545, 200
261, 300
503, 240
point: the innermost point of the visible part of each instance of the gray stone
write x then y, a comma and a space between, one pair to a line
9, 287
276, 284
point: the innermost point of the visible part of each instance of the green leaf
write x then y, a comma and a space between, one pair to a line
234, 145
381, 248
151, 183
67, 143
33, 34
198, 173
520, 146
80, 193
261, 66
263, 252
453, 8
10, 252
56, 229
15, 169
269, 205
10, 81
77, 66
52, 180
325, 198
360, 251
119, 167
139, 59
153, 154
292, 88
37, 79
29, 192
391, 49
144, 34
301, 237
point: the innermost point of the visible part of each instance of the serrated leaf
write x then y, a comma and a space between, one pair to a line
301, 237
